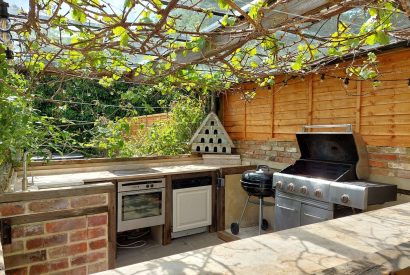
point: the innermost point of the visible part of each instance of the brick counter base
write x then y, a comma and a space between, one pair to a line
76, 245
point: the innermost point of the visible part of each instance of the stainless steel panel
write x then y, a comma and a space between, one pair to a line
312, 185
349, 195
313, 214
287, 213
135, 185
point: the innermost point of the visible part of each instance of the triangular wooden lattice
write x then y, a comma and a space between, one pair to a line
211, 137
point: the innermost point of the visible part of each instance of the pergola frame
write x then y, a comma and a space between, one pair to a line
175, 50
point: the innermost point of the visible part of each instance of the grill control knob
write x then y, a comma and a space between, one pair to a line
318, 193
303, 190
345, 198
279, 184
291, 187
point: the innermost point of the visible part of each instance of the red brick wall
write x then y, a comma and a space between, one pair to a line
385, 162
270, 150
76, 245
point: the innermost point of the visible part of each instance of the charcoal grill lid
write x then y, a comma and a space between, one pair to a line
334, 147
262, 174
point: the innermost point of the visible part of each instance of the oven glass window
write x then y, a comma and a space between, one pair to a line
139, 206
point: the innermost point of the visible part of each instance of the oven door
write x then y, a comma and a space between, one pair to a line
138, 209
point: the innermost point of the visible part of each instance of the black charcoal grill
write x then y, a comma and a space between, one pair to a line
257, 183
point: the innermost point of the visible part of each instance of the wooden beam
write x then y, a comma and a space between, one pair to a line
235, 170
405, 6
56, 215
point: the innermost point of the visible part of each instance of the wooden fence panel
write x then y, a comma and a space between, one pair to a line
234, 115
381, 115
290, 108
259, 115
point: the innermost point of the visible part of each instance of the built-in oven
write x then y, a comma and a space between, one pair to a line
141, 203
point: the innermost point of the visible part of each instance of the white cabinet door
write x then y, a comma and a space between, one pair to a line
192, 208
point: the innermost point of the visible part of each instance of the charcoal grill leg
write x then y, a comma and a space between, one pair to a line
243, 210
260, 213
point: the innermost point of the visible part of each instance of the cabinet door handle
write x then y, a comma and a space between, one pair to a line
286, 208
313, 216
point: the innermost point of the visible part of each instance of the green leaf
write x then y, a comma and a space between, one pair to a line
222, 4
127, 3
372, 12
79, 15
371, 39
124, 39
119, 30
253, 52
382, 38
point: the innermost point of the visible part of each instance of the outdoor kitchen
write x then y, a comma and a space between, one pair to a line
204, 137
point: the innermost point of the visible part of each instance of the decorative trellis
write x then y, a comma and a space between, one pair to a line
211, 137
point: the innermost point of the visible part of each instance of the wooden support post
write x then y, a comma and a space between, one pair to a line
112, 227
166, 234
220, 200
358, 105
214, 203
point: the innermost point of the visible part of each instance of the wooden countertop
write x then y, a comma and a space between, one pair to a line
379, 238
75, 179
64, 191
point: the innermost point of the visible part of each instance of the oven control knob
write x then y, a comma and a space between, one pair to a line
147, 185
318, 193
291, 187
279, 184
152, 185
303, 190
345, 198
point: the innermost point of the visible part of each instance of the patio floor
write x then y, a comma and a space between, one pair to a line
154, 250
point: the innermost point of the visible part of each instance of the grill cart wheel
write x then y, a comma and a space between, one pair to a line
235, 228
264, 224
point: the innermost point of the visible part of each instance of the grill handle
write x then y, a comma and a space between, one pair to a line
348, 127
262, 167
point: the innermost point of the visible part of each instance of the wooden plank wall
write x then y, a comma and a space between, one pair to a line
381, 115
147, 121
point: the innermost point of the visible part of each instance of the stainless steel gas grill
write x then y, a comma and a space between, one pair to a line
328, 181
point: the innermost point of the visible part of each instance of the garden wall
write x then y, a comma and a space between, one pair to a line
65, 234
264, 128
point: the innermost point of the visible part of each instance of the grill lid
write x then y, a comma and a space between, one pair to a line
262, 174
328, 146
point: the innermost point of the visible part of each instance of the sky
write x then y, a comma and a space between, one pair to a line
25, 3
19, 3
